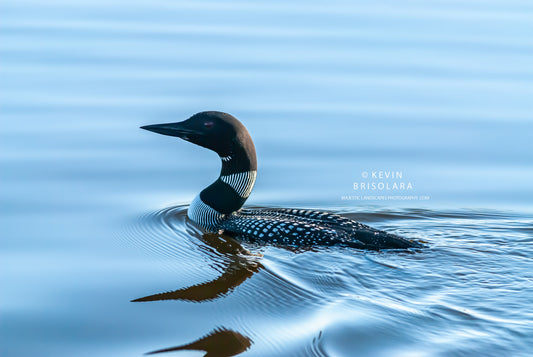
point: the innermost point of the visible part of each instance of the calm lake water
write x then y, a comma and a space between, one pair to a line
413, 117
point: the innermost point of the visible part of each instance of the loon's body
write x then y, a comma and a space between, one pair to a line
218, 207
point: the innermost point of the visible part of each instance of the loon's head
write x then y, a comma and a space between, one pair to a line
225, 135
218, 131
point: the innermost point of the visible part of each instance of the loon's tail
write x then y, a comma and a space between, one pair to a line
376, 239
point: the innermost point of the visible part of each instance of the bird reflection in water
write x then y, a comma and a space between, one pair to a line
219, 343
242, 265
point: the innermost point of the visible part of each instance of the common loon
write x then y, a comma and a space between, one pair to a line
218, 207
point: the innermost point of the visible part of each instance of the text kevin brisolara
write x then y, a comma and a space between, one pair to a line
382, 180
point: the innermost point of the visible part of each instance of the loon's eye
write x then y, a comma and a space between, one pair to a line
208, 124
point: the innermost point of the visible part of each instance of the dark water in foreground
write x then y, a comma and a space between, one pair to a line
337, 96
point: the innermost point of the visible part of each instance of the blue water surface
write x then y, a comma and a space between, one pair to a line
344, 100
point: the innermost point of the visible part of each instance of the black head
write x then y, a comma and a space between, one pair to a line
218, 131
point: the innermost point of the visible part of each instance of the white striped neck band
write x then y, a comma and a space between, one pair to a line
241, 182
204, 215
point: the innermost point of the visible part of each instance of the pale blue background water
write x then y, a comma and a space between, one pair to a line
439, 90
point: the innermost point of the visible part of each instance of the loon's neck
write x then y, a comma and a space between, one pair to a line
228, 193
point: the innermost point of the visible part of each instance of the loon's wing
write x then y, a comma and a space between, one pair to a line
282, 230
308, 228
326, 218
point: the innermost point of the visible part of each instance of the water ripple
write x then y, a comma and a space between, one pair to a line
423, 288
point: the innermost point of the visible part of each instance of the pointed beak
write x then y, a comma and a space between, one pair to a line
171, 129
